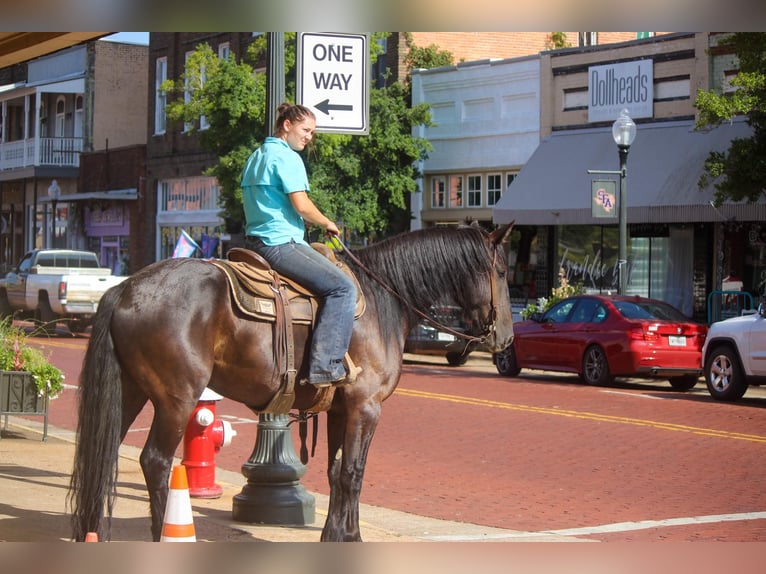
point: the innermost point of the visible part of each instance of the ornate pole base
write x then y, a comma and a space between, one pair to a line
273, 493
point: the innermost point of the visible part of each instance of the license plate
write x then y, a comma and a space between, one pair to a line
445, 337
674, 341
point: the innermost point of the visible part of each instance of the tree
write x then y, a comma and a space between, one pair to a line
739, 173
359, 180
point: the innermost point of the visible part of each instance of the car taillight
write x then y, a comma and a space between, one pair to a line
62, 289
645, 333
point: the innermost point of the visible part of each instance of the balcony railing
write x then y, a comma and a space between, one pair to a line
63, 152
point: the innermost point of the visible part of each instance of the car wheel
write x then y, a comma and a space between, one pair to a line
724, 376
505, 362
684, 383
5, 306
456, 359
46, 318
595, 367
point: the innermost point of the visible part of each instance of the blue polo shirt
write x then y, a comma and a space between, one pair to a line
272, 172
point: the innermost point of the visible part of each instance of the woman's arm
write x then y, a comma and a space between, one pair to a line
310, 212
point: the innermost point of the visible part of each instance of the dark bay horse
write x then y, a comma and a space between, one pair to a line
172, 329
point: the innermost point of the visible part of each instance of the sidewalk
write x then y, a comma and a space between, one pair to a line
34, 480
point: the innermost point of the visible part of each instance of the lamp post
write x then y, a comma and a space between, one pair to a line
54, 192
623, 132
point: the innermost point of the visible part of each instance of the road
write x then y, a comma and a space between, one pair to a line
541, 452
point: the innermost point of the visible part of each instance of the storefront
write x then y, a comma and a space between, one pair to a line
680, 246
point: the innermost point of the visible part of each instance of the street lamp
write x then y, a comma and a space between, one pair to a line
623, 132
54, 192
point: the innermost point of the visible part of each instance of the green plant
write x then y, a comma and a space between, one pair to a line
17, 355
564, 290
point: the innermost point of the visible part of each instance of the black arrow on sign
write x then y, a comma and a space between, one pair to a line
326, 106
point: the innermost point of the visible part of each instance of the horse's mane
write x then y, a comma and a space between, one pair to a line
430, 265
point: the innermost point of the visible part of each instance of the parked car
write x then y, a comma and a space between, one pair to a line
600, 337
56, 285
424, 339
735, 355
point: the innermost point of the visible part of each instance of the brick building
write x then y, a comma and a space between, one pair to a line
55, 108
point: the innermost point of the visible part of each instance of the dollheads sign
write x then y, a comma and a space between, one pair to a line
333, 80
621, 85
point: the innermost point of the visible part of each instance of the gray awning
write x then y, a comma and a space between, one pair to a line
113, 195
664, 165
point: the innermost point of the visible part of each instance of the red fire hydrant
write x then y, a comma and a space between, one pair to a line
204, 437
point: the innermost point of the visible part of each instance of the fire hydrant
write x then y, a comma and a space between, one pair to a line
204, 437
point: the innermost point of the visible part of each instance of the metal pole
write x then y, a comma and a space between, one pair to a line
273, 494
623, 254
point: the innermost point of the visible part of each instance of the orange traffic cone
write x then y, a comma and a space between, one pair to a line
178, 525
91, 537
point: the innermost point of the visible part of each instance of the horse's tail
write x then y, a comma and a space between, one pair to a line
94, 475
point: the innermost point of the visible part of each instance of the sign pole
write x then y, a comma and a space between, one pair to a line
273, 494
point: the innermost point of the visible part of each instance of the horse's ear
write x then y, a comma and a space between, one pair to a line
502, 233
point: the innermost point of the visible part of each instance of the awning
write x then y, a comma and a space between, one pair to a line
113, 195
664, 165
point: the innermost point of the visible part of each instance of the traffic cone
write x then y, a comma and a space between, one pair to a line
91, 537
178, 525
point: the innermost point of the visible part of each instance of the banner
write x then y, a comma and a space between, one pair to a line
209, 245
185, 246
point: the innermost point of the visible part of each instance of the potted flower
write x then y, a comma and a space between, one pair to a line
27, 378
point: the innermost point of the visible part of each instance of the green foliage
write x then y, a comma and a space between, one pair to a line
739, 173
559, 40
428, 57
360, 180
564, 290
17, 355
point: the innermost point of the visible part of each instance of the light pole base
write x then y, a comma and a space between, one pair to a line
273, 493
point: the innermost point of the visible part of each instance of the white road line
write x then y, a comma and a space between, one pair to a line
604, 528
631, 394
646, 524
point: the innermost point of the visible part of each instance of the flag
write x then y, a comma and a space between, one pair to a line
185, 246
209, 245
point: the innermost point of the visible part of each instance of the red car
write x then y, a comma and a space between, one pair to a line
600, 337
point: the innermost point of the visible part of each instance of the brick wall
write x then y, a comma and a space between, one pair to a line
120, 103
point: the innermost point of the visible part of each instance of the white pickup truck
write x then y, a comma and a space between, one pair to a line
56, 285
734, 355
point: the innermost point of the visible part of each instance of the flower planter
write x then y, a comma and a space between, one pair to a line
19, 396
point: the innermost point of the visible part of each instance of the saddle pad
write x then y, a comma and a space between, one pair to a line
254, 291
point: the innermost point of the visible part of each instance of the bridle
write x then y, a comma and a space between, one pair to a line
491, 327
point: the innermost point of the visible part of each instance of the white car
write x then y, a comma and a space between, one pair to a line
734, 355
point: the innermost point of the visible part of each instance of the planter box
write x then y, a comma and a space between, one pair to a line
18, 395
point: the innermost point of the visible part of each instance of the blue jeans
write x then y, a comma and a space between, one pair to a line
337, 294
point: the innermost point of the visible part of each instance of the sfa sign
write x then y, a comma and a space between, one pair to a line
616, 86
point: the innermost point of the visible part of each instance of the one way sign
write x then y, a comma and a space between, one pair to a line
333, 80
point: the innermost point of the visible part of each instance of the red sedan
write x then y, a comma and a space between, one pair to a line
600, 337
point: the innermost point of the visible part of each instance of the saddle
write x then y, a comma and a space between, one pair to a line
260, 292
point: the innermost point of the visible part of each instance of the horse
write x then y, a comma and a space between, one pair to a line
172, 329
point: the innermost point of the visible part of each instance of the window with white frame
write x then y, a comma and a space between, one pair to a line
494, 188
188, 126
224, 50
456, 191
160, 97
474, 191
588, 38
509, 177
188, 194
438, 188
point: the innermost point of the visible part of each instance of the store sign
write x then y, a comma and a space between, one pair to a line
614, 87
604, 196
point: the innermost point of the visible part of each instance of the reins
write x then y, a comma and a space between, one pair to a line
433, 322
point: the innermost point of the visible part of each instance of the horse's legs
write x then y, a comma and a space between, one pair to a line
349, 441
157, 458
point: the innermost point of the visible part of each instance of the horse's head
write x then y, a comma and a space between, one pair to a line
490, 313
